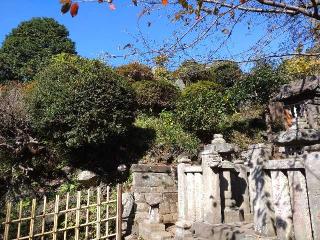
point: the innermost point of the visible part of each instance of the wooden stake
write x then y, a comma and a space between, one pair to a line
66, 218
87, 214
76, 234
119, 213
33, 213
19, 223
107, 211
98, 232
43, 217
55, 218
7, 224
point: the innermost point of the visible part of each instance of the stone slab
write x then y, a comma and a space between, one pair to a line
151, 168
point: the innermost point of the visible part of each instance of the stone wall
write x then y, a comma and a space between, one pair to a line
155, 193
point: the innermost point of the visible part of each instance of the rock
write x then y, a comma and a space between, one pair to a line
153, 199
298, 137
127, 203
67, 170
88, 178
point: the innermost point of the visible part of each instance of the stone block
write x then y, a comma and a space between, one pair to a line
231, 216
164, 208
151, 168
167, 218
161, 236
139, 197
153, 198
142, 179
142, 207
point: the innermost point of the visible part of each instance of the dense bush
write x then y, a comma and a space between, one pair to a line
27, 48
155, 95
259, 85
135, 72
226, 73
80, 102
203, 108
191, 72
170, 138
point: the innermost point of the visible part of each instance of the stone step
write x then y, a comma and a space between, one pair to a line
163, 235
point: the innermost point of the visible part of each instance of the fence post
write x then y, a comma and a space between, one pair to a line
119, 212
7, 224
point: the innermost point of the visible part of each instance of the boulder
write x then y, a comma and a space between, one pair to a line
88, 178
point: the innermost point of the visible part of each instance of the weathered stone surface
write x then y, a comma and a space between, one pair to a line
312, 163
298, 137
282, 205
300, 205
144, 168
139, 197
182, 198
127, 203
152, 180
191, 214
153, 198
198, 196
88, 178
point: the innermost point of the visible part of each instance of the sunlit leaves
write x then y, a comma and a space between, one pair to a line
164, 2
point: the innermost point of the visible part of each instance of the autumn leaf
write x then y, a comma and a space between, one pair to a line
65, 8
242, 1
65, 1
164, 2
100, 1
74, 9
112, 7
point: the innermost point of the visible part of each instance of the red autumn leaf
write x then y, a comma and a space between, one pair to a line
242, 1
65, 8
164, 2
100, 1
74, 9
112, 7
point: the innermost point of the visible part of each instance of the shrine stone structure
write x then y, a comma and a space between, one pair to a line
269, 191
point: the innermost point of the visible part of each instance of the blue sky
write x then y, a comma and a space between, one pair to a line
97, 29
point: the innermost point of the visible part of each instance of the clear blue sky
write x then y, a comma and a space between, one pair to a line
97, 29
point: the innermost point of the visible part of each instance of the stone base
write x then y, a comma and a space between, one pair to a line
153, 231
231, 216
183, 230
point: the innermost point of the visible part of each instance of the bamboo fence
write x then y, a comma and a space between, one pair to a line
95, 219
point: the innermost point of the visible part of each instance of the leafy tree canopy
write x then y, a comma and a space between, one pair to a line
29, 46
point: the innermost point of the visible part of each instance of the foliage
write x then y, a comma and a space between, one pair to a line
135, 72
155, 95
191, 72
170, 135
161, 73
259, 85
226, 73
301, 67
80, 102
29, 46
203, 109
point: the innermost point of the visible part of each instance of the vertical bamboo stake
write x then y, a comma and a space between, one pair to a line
55, 218
66, 219
43, 217
107, 211
7, 224
98, 232
87, 214
77, 216
33, 213
19, 223
119, 213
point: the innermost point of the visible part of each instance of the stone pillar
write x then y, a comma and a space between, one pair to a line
245, 206
312, 166
211, 191
198, 196
260, 185
191, 215
182, 183
282, 205
300, 205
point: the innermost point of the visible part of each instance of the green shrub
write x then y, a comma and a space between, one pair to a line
135, 72
80, 102
203, 108
191, 72
226, 73
28, 47
155, 95
170, 135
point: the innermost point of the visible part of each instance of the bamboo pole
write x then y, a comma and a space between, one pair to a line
19, 223
98, 232
43, 217
55, 218
107, 211
66, 218
76, 234
33, 213
119, 212
7, 224
87, 214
